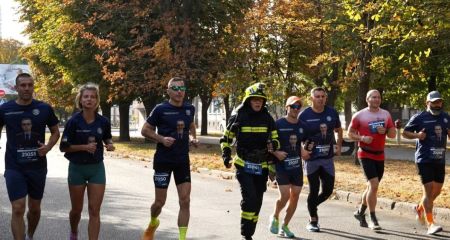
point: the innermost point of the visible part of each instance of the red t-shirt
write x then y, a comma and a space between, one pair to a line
365, 123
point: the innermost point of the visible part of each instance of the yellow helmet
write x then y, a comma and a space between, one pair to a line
255, 90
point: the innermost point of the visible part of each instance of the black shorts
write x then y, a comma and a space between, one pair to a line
289, 177
431, 172
372, 168
163, 172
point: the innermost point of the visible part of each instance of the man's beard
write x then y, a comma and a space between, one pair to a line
435, 110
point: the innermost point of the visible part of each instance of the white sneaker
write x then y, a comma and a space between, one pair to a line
433, 229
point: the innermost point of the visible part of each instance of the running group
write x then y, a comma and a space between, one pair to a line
303, 142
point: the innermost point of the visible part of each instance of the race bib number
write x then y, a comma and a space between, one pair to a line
161, 180
253, 168
437, 153
27, 155
322, 150
373, 125
291, 163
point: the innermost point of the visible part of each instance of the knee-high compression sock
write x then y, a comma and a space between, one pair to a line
154, 222
430, 218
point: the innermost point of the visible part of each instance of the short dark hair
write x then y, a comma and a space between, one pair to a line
22, 75
321, 89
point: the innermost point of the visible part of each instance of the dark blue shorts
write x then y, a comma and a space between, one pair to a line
21, 183
290, 177
163, 172
431, 172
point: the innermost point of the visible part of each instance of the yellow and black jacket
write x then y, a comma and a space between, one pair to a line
253, 132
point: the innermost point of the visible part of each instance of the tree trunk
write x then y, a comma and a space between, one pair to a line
332, 80
150, 103
347, 113
226, 103
124, 113
106, 109
206, 101
364, 64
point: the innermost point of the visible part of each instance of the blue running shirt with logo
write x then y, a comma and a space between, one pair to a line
432, 148
22, 142
290, 135
320, 130
172, 121
78, 132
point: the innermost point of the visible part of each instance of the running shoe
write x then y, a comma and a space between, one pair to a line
149, 233
285, 232
274, 225
361, 218
313, 226
73, 236
374, 224
433, 229
246, 238
420, 216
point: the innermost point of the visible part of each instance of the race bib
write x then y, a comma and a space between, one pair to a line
322, 150
291, 163
437, 153
161, 180
373, 125
27, 155
253, 168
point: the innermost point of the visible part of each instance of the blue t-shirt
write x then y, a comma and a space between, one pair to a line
320, 130
290, 136
22, 144
432, 148
78, 132
172, 121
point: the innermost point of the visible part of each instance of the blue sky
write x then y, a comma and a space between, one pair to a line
11, 28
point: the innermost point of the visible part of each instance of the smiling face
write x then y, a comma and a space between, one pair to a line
373, 99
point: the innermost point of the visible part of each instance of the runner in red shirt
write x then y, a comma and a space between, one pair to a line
369, 127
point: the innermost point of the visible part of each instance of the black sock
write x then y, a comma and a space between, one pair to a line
362, 209
373, 217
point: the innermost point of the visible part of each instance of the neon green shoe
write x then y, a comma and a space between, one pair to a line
274, 225
285, 232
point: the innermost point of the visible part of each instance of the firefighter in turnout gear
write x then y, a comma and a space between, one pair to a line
256, 142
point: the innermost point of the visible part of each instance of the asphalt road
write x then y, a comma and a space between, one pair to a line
215, 210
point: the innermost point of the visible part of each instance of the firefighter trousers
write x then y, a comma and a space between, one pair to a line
252, 191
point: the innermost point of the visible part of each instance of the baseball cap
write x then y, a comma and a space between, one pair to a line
292, 99
433, 96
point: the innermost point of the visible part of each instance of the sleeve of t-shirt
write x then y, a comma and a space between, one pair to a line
107, 130
68, 134
389, 122
413, 124
303, 127
52, 120
153, 118
355, 122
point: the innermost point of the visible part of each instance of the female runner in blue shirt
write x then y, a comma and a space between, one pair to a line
82, 142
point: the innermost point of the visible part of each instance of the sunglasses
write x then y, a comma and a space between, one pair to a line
178, 88
295, 106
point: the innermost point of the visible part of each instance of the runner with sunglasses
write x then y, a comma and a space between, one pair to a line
289, 174
174, 120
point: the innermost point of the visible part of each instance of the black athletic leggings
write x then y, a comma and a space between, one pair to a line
317, 179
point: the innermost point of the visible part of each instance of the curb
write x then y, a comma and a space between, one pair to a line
401, 208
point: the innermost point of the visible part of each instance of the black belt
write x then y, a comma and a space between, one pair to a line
367, 150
